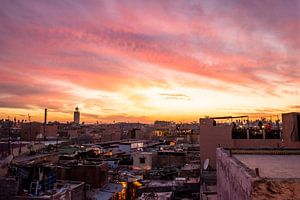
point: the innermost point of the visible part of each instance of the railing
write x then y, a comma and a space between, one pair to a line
255, 133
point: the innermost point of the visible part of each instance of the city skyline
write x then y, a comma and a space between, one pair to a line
148, 60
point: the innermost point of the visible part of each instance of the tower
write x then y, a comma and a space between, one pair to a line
76, 116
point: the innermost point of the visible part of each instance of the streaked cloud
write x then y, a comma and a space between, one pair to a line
175, 96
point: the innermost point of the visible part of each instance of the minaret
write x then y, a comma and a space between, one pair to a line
76, 116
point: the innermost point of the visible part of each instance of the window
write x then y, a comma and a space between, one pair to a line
142, 160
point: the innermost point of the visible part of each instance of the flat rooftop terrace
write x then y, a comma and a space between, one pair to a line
272, 165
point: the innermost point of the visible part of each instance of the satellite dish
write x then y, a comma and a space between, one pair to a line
206, 164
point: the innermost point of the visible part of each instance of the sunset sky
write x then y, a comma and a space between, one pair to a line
145, 60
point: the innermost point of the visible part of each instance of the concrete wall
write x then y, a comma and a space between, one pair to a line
19, 148
252, 143
167, 159
210, 138
77, 191
233, 181
94, 175
290, 130
51, 130
26, 149
110, 136
149, 157
29, 131
128, 147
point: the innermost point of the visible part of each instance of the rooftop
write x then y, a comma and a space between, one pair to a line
157, 195
37, 158
272, 166
132, 141
190, 167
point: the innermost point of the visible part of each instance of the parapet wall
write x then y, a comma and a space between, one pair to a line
233, 180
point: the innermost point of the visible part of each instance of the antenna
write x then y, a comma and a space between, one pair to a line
206, 164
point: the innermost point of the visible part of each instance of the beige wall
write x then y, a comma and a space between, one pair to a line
210, 138
148, 161
252, 143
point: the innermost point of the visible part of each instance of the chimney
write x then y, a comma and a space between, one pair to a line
45, 123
